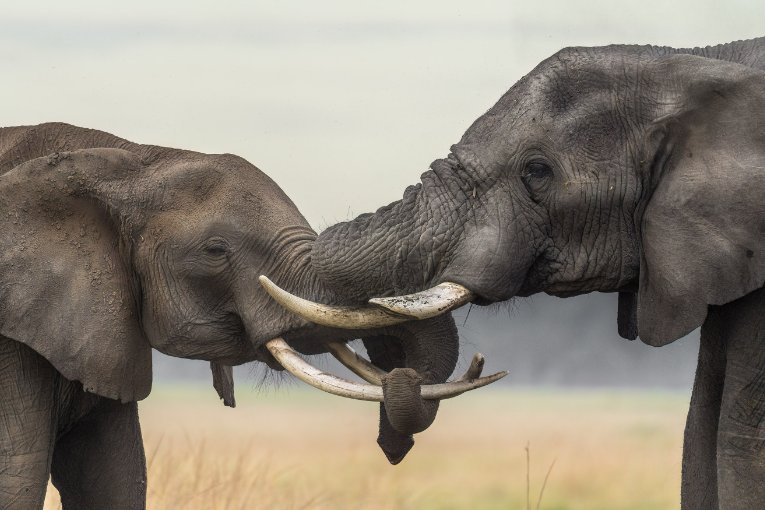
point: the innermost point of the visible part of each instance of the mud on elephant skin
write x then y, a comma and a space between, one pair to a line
109, 249
630, 169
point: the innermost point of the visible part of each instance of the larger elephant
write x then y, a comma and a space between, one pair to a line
630, 169
109, 249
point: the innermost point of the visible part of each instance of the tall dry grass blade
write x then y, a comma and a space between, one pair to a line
153, 455
312, 502
544, 483
528, 476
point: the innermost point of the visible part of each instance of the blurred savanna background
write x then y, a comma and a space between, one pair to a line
344, 104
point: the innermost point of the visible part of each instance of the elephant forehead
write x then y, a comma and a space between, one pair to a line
199, 175
224, 184
240, 213
592, 128
567, 85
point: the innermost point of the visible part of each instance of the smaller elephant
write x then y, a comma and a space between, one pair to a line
109, 249
638, 170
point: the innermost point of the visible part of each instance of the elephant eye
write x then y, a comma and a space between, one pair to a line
536, 175
216, 248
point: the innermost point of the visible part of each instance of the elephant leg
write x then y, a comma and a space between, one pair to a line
699, 483
100, 462
27, 425
741, 432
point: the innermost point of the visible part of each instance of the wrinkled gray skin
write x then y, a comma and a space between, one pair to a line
630, 169
109, 249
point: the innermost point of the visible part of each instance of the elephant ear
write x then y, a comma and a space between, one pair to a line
66, 289
703, 229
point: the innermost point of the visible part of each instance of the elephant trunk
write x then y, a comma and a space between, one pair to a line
393, 251
452, 227
415, 353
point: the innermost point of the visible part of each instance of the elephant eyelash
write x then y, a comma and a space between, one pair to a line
537, 170
217, 248
536, 176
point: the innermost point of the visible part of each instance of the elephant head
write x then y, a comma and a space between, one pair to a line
637, 170
110, 248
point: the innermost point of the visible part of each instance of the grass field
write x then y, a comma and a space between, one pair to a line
296, 448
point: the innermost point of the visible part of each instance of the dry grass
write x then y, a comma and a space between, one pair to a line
301, 449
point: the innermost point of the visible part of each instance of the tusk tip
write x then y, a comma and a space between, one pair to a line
501, 375
427, 303
270, 287
344, 317
390, 306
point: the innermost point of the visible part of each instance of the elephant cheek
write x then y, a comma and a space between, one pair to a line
407, 412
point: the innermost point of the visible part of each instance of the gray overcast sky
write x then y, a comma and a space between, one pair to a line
343, 103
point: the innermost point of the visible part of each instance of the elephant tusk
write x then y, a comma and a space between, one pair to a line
371, 373
309, 374
475, 368
428, 303
293, 363
345, 317
356, 363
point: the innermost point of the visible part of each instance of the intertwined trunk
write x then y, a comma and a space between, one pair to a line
393, 251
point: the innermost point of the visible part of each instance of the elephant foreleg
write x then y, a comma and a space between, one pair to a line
699, 484
27, 425
741, 432
100, 463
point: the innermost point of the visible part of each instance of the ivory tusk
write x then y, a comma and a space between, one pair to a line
428, 303
475, 368
311, 375
371, 373
356, 363
345, 317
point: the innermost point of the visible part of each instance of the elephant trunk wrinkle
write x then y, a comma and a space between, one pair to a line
396, 250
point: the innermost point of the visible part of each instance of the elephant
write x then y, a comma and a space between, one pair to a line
109, 249
636, 170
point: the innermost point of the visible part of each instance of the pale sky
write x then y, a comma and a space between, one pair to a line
343, 103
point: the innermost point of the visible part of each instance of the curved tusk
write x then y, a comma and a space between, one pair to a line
345, 317
428, 303
475, 368
309, 374
371, 373
356, 363
453, 389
